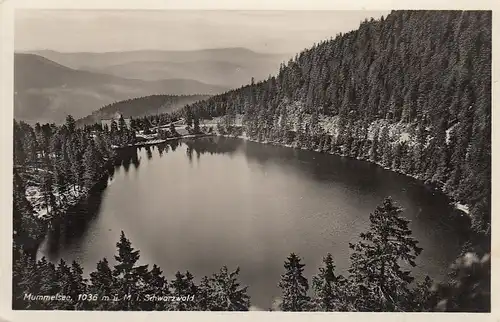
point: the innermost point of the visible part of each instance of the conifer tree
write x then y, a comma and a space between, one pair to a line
65, 279
91, 163
376, 260
205, 301
122, 126
326, 288
191, 290
19, 153
24, 278
189, 116
114, 127
227, 295
129, 276
70, 124
181, 287
155, 284
47, 282
196, 124
294, 286
78, 283
102, 283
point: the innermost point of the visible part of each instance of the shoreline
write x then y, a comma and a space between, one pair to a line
49, 222
160, 141
83, 195
461, 208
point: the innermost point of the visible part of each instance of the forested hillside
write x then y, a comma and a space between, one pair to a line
141, 106
411, 91
55, 167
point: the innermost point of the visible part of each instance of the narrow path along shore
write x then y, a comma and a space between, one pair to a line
160, 141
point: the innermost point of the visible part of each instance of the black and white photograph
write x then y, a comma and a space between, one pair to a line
251, 160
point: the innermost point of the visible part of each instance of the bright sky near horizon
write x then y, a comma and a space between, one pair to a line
115, 30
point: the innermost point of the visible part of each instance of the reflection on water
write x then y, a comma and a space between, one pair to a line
199, 204
72, 226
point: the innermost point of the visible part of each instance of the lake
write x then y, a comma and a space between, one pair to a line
200, 204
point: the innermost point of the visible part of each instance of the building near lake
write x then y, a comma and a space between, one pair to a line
116, 118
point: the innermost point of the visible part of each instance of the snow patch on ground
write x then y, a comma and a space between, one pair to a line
404, 137
398, 132
238, 121
329, 124
448, 133
41, 210
159, 141
35, 197
463, 208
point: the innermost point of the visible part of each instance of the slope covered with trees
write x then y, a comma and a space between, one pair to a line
411, 92
55, 167
141, 106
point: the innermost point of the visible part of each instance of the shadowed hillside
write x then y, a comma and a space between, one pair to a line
46, 91
141, 106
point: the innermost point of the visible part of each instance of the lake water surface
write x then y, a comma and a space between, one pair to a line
201, 204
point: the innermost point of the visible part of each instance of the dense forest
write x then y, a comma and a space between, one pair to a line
411, 92
141, 107
49, 174
55, 167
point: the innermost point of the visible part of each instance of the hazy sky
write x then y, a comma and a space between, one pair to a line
100, 31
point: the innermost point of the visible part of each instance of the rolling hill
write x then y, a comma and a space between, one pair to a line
229, 67
141, 106
46, 91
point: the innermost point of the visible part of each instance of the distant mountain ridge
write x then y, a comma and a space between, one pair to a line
46, 91
82, 59
229, 67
